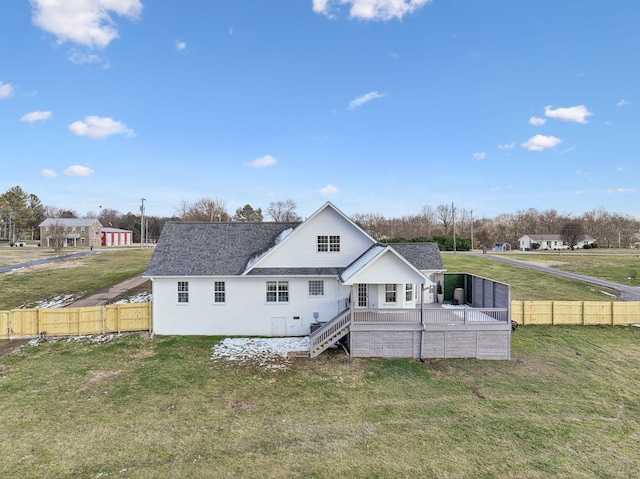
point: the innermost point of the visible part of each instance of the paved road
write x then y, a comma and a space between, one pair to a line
627, 293
36, 262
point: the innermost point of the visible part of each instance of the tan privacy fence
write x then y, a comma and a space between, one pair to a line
113, 318
575, 312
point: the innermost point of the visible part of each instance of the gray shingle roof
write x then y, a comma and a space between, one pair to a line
212, 249
69, 222
424, 256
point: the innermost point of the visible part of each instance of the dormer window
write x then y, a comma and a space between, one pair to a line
328, 243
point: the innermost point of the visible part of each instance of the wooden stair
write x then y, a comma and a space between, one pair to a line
330, 333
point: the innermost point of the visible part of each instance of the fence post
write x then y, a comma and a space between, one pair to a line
553, 313
150, 316
118, 318
584, 312
103, 317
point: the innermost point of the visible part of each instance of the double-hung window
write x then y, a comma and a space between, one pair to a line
277, 291
328, 243
183, 291
408, 292
390, 293
219, 292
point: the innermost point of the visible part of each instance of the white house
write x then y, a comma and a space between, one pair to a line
276, 279
550, 242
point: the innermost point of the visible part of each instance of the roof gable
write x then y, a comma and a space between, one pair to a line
299, 249
382, 264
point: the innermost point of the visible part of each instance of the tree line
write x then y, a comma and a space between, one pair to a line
22, 212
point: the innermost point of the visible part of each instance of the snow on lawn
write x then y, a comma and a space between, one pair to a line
138, 298
59, 301
270, 353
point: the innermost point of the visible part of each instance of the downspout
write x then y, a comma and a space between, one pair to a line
422, 321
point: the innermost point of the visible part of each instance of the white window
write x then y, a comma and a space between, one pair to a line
390, 293
408, 293
183, 291
277, 291
219, 292
328, 243
316, 287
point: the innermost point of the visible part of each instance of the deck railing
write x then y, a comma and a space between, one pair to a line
431, 316
385, 316
466, 315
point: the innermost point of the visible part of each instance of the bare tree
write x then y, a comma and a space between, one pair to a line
283, 211
373, 223
57, 235
572, 232
444, 213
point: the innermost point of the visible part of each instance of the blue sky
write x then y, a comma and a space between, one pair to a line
379, 106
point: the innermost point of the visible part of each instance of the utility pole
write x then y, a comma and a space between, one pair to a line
472, 230
142, 238
453, 213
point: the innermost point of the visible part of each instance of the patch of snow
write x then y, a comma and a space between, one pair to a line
608, 294
144, 297
59, 301
270, 353
96, 338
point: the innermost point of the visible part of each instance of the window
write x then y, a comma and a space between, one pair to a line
328, 243
218, 292
277, 291
389, 293
316, 287
408, 292
183, 291
362, 295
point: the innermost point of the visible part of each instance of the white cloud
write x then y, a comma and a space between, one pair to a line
34, 116
535, 121
6, 90
370, 9
78, 170
619, 168
480, 155
48, 173
623, 103
622, 190
541, 142
181, 46
578, 114
96, 127
327, 190
367, 97
87, 23
262, 162
507, 146
80, 58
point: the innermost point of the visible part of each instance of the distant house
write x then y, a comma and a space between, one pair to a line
116, 237
285, 279
550, 242
70, 232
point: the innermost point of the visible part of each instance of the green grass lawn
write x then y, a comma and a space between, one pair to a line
527, 285
620, 268
76, 277
567, 405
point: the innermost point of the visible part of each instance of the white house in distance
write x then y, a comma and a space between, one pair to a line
276, 279
551, 242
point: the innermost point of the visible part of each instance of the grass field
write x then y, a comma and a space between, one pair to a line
528, 285
567, 405
75, 277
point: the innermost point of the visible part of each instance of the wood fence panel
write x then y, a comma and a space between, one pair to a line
76, 321
568, 312
598, 312
626, 312
538, 312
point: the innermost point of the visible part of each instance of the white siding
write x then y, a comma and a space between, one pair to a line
245, 311
300, 248
386, 269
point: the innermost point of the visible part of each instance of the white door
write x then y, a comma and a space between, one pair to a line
279, 326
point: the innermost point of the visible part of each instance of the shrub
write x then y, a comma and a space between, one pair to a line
633, 274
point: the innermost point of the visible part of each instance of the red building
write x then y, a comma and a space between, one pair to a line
116, 237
